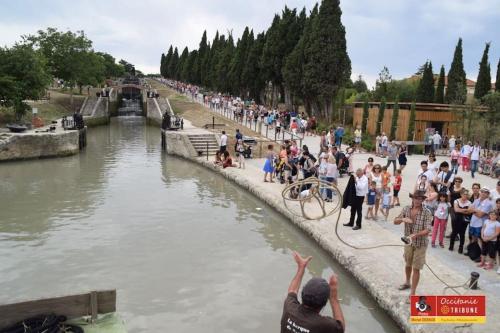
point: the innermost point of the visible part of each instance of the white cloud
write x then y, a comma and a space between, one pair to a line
401, 34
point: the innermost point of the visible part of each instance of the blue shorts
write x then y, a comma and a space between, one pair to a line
475, 231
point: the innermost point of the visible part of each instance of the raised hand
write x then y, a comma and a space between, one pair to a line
301, 262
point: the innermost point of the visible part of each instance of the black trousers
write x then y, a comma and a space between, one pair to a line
458, 227
357, 208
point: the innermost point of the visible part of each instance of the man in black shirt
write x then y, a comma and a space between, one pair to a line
305, 317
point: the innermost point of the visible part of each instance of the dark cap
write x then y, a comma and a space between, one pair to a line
418, 194
315, 293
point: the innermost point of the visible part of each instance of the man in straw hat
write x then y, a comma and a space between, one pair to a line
417, 222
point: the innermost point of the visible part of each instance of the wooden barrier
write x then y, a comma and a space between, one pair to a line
89, 304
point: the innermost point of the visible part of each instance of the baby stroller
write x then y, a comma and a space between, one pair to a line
247, 153
343, 161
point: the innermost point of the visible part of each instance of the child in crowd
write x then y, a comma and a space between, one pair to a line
489, 235
440, 219
398, 180
240, 148
386, 177
386, 201
370, 198
268, 164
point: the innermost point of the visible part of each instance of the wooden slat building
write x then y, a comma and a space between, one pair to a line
444, 118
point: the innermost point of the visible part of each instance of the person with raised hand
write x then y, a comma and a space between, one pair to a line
305, 316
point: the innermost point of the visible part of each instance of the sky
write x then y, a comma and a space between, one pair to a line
399, 34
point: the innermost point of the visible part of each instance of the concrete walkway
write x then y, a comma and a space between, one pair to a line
380, 270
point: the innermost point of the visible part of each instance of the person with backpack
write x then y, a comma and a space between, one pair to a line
444, 178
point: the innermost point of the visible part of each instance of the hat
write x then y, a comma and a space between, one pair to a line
485, 189
418, 194
316, 293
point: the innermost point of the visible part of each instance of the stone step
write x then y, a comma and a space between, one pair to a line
202, 139
205, 146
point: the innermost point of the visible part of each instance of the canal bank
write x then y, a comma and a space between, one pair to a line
380, 271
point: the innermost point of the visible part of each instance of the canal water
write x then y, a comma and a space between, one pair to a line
187, 250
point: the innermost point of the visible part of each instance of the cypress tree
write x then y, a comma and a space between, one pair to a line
366, 115
182, 63
394, 120
202, 53
456, 92
168, 59
440, 87
483, 84
238, 62
223, 65
497, 82
328, 67
293, 69
380, 118
425, 92
411, 127
174, 62
252, 70
162, 65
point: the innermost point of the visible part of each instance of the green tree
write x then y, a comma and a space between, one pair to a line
440, 87
182, 64
127, 67
202, 58
327, 68
66, 53
383, 83
162, 65
380, 117
111, 68
411, 126
238, 62
252, 70
225, 58
23, 75
492, 117
425, 92
497, 82
457, 89
293, 69
166, 65
366, 115
483, 84
360, 85
394, 120
172, 66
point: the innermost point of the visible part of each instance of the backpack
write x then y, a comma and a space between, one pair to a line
444, 189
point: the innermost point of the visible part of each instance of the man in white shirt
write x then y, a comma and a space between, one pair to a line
474, 158
357, 206
429, 174
223, 142
452, 143
436, 139
384, 142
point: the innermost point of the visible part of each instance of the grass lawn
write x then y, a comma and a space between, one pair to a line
59, 105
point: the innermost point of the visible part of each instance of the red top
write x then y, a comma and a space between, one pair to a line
399, 180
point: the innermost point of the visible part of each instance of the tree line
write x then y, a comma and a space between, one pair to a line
300, 59
28, 67
427, 87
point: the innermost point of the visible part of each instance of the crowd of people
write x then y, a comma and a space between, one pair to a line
439, 202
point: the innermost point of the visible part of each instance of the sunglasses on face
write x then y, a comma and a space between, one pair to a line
458, 181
